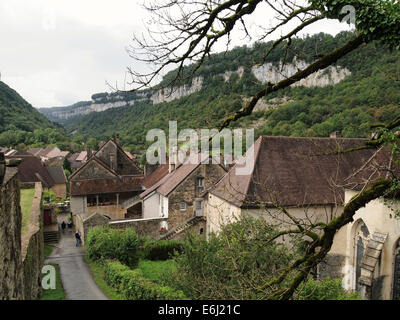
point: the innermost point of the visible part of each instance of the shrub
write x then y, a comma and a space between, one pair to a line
233, 264
326, 289
108, 243
133, 286
161, 250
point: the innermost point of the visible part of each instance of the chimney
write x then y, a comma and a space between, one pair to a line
173, 160
89, 154
336, 134
117, 138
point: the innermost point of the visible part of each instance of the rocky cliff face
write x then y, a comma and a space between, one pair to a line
268, 72
275, 73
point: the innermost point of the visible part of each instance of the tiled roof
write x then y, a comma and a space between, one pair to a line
31, 169
81, 156
34, 151
170, 181
293, 171
73, 157
106, 185
57, 174
156, 175
130, 155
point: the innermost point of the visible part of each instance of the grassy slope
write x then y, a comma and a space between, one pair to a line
26, 206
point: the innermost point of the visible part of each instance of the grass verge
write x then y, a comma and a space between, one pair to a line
98, 276
154, 270
26, 207
47, 250
58, 292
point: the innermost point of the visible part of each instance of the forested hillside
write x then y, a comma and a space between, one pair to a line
370, 94
22, 125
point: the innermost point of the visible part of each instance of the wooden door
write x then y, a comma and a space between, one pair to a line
47, 216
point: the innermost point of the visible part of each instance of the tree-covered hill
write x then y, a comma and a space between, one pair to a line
21, 125
16, 113
370, 94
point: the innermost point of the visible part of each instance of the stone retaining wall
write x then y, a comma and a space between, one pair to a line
144, 227
11, 268
32, 248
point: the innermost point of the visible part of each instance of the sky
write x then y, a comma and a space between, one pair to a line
56, 53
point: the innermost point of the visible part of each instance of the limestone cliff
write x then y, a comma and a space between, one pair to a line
267, 72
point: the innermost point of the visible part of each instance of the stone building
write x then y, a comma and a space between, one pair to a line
178, 195
105, 182
313, 182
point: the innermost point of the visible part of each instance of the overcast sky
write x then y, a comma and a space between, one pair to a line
58, 52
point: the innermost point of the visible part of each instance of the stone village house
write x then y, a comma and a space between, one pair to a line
178, 195
106, 180
111, 189
307, 178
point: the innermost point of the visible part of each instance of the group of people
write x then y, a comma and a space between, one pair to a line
77, 233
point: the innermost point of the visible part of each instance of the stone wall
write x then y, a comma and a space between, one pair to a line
11, 268
85, 224
144, 227
32, 249
187, 192
332, 266
197, 229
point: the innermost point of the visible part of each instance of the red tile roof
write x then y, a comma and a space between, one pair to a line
170, 181
156, 175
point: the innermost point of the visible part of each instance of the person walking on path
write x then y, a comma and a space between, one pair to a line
78, 238
63, 225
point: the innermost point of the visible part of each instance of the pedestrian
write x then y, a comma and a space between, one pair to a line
63, 225
78, 238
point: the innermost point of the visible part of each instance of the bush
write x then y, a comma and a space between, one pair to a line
326, 289
108, 243
133, 286
233, 264
161, 250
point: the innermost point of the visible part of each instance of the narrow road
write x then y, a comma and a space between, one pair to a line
76, 276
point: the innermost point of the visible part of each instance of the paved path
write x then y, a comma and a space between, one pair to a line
76, 276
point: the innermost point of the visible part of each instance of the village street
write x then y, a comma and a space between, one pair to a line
76, 276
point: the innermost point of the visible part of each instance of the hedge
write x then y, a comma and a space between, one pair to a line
161, 250
108, 243
133, 286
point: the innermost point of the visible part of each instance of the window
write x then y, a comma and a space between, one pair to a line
200, 182
198, 206
182, 206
